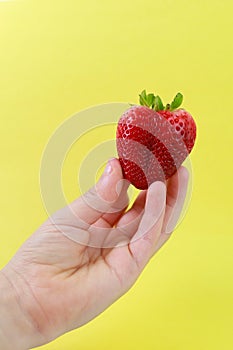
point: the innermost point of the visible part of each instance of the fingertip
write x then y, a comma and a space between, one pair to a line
115, 163
111, 182
158, 186
121, 184
112, 169
157, 190
184, 172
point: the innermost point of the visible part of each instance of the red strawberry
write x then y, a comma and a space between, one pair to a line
153, 140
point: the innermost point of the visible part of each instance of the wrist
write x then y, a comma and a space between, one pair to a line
16, 329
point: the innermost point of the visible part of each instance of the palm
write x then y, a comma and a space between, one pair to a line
70, 282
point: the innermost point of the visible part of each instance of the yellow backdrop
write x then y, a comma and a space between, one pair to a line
59, 57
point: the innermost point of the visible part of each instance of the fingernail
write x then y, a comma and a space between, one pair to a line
108, 168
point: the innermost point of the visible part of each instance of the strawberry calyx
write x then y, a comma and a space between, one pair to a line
155, 102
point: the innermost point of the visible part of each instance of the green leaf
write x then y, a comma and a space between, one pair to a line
146, 100
143, 93
178, 99
150, 99
142, 98
158, 104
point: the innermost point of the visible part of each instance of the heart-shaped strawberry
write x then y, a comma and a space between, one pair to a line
153, 140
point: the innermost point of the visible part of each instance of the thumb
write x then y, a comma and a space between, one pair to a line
105, 200
109, 195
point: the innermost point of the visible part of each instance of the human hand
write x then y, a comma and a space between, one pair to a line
90, 253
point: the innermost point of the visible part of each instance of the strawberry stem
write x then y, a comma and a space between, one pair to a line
155, 102
151, 101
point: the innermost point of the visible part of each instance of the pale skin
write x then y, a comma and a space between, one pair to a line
55, 284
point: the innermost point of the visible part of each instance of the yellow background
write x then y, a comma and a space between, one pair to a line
58, 57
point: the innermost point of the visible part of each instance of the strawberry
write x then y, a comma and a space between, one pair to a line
153, 140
